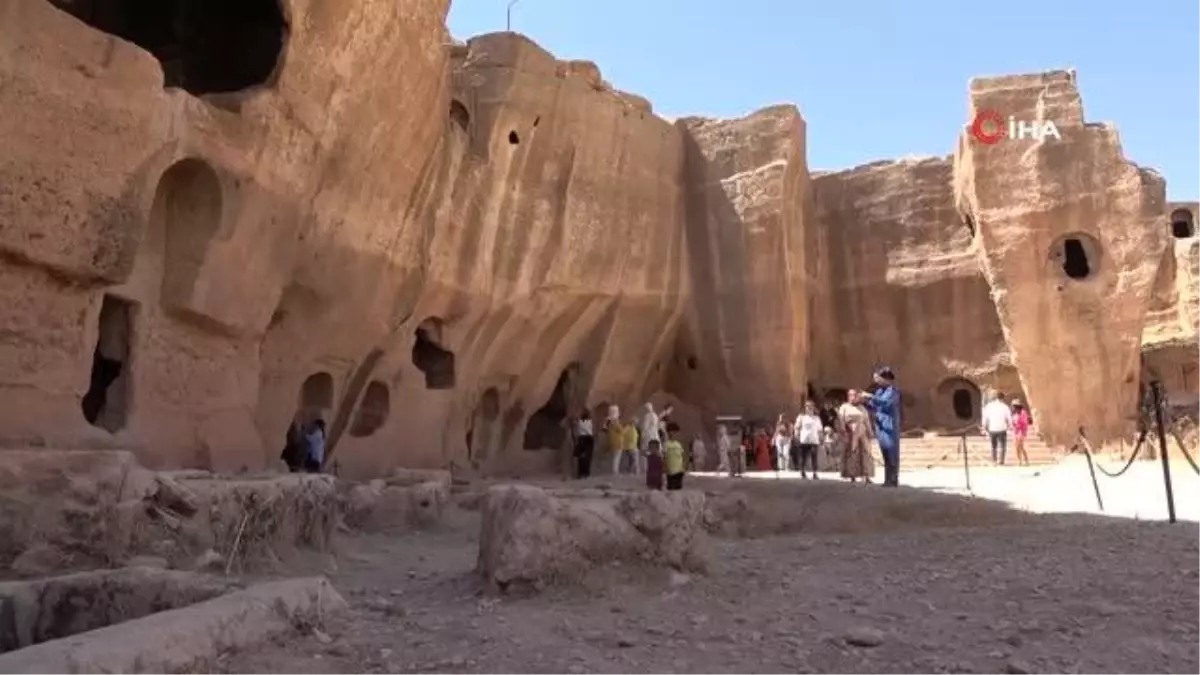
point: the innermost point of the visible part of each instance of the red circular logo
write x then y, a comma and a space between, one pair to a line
988, 127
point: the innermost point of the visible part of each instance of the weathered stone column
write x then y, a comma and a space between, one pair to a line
1071, 235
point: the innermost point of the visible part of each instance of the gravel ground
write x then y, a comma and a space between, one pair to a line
1063, 594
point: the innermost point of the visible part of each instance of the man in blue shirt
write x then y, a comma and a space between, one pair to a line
884, 404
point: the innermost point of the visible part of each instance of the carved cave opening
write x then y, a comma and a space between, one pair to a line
546, 428
459, 115
1182, 224
959, 401
1075, 263
431, 358
204, 46
513, 138
187, 210
963, 405
106, 403
692, 363
316, 396
372, 410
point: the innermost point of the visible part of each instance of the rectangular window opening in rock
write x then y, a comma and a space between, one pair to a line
106, 403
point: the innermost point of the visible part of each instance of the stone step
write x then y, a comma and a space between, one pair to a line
943, 451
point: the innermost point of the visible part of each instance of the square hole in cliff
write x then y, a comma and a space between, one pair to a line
106, 402
1182, 224
1078, 256
41, 610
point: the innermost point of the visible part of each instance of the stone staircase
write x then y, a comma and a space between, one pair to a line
943, 451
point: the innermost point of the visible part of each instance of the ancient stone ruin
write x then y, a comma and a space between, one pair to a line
443, 248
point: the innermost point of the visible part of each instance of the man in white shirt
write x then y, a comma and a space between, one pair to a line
997, 418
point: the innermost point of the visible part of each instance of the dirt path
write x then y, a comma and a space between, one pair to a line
1059, 596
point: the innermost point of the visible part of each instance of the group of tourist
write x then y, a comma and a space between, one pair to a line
649, 445
998, 420
843, 435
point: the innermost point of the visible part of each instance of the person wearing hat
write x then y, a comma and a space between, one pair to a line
884, 405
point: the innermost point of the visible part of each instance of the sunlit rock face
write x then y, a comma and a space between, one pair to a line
1071, 238
748, 203
898, 283
443, 249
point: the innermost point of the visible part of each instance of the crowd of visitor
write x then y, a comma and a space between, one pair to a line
649, 445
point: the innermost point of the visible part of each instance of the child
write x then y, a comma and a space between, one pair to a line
654, 465
674, 459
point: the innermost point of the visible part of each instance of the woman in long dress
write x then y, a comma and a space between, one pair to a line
856, 429
762, 451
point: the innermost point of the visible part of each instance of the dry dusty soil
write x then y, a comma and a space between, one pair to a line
1073, 594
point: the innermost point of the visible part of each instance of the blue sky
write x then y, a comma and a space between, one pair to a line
878, 79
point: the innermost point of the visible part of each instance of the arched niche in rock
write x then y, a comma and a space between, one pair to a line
187, 212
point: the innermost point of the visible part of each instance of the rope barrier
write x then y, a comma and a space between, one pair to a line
1087, 447
1183, 450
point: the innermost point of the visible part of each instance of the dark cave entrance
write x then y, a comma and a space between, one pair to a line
545, 428
1075, 259
1182, 225
963, 403
204, 46
431, 358
460, 116
106, 402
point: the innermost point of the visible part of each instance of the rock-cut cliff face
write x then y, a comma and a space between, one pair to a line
237, 213
897, 283
440, 259
1071, 239
171, 203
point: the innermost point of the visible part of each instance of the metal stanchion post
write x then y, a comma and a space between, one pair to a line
966, 460
1087, 452
1155, 392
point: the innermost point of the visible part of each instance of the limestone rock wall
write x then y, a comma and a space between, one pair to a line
1070, 237
202, 215
282, 248
897, 283
442, 248
549, 235
745, 349
1170, 334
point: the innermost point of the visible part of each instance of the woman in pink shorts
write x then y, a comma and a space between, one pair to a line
1020, 428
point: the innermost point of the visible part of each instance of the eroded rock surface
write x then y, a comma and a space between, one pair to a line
443, 259
56, 607
1070, 238
530, 537
187, 638
69, 510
